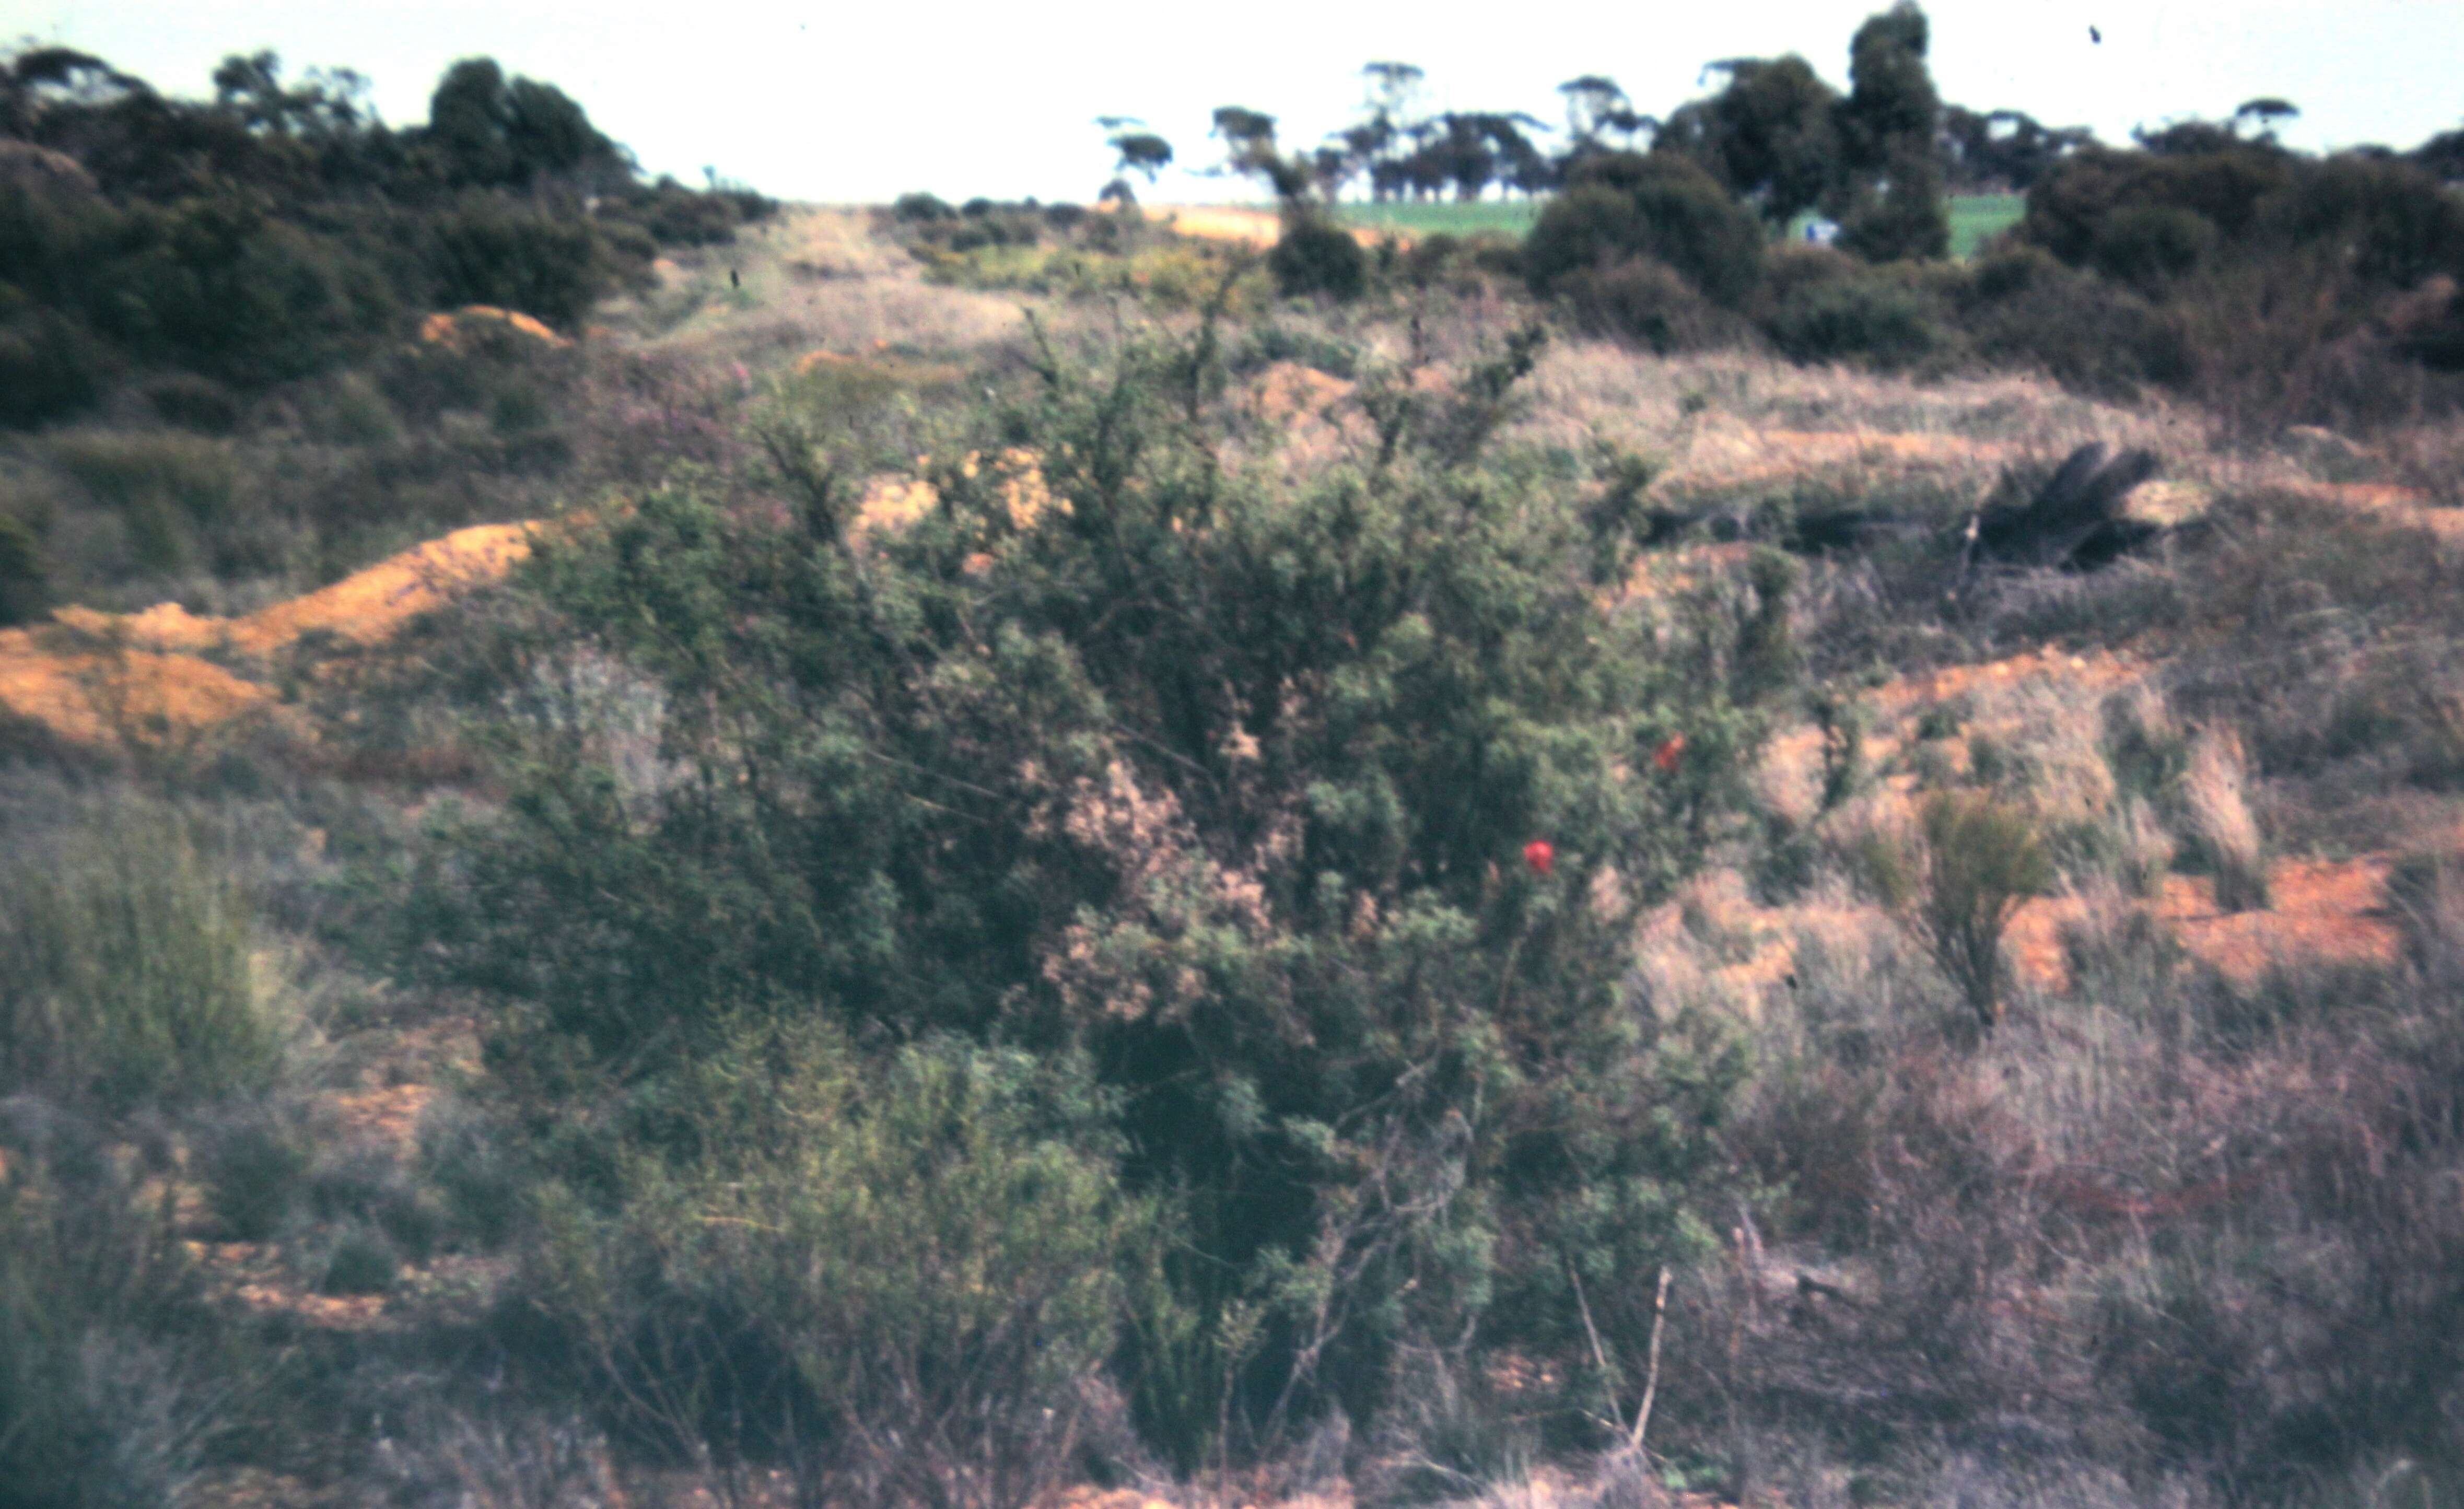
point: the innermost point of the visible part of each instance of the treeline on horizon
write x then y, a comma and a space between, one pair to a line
2205, 259
280, 228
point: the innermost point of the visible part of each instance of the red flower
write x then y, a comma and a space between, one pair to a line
1541, 855
1667, 754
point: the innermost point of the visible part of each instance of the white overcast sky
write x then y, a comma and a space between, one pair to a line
840, 101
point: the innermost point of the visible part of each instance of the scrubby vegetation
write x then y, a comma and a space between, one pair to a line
1078, 861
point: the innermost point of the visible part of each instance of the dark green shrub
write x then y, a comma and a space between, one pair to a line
1039, 775
171, 489
2395, 224
2022, 308
496, 249
128, 976
1314, 256
1646, 302
24, 582
479, 1167
50, 366
921, 209
2142, 245
677, 216
362, 1260
1617, 206
218, 284
194, 403
255, 1169
1831, 309
1902, 215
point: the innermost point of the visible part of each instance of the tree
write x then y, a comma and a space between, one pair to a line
499, 133
1595, 106
1770, 135
332, 102
2265, 113
1250, 150
1620, 207
2443, 156
1137, 151
1889, 201
2005, 149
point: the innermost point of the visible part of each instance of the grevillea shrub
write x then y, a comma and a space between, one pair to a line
1211, 779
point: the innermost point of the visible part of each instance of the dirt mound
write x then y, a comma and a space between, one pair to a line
102, 678
462, 328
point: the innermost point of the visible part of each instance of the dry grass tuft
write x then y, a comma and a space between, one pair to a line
2214, 793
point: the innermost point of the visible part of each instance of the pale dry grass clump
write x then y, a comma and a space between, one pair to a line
2217, 805
1583, 387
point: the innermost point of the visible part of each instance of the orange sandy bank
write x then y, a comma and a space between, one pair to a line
94, 677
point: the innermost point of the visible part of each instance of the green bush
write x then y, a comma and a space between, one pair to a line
169, 489
1982, 859
2021, 307
1314, 256
255, 1169
494, 249
1647, 302
129, 978
24, 582
194, 403
1222, 778
898, 1275
50, 366
1825, 307
1617, 206
218, 284
2142, 245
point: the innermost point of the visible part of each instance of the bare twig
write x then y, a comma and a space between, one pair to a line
1651, 1370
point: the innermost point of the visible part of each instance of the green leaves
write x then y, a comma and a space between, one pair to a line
1220, 778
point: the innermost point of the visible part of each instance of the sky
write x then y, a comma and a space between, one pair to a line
860, 102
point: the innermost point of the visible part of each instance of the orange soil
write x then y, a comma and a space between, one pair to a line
456, 328
94, 677
2325, 911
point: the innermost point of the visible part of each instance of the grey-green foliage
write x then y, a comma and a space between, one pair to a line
899, 1273
1983, 858
109, 1393
128, 976
1222, 778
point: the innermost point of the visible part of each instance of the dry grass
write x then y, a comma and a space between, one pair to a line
2215, 797
813, 277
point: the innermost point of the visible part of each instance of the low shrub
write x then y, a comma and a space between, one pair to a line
1314, 256
194, 403
1646, 302
112, 1387
1619, 205
50, 366
255, 1169
129, 978
1822, 306
496, 250
897, 1277
1982, 859
175, 492
25, 579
